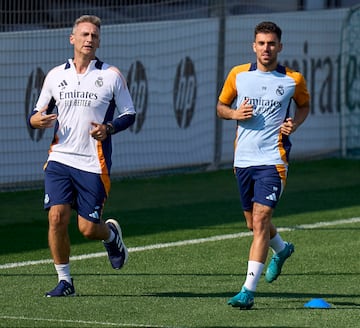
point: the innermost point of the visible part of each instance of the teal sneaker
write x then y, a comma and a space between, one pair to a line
243, 300
277, 261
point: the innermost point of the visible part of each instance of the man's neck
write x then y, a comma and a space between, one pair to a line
81, 64
267, 68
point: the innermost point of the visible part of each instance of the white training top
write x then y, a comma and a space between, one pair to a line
80, 100
258, 140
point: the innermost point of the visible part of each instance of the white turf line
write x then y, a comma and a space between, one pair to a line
150, 247
184, 242
83, 322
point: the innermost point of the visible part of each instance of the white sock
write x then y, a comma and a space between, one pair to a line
111, 237
63, 271
277, 244
254, 272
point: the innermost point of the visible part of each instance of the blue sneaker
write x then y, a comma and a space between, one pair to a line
277, 261
62, 289
117, 251
243, 300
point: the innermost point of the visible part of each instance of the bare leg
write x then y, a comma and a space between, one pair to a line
259, 221
94, 231
262, 229
58, 236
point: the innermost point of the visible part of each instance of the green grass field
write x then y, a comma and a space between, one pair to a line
186, 284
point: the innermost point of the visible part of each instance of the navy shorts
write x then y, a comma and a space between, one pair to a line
86, 192
261, 184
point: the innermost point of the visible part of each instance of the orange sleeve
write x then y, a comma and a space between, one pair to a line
229, 92
301, 95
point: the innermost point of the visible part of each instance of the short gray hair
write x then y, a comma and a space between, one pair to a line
87, 19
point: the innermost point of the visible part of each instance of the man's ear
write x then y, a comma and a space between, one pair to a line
71, 39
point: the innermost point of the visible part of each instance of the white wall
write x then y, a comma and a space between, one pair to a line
167, 50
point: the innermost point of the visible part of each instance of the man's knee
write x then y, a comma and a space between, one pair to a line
92, 230
59, 216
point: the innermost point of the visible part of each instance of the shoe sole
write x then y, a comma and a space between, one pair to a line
242, 306
117, 226
70, 295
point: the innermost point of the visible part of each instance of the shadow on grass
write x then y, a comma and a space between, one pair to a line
146, 274
183, 202
15, 238
204, 275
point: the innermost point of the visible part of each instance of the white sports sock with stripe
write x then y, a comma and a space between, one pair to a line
63, 271
254, 272
277, 244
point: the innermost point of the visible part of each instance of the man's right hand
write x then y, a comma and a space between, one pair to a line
41, 120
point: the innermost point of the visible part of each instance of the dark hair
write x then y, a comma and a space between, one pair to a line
268, 27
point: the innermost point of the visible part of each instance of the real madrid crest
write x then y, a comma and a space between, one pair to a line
99, 82
280, 90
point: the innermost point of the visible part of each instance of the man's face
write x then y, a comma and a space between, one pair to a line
85, 39
267, 46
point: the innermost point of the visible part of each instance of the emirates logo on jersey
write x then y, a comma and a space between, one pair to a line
261, 105
75, 94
